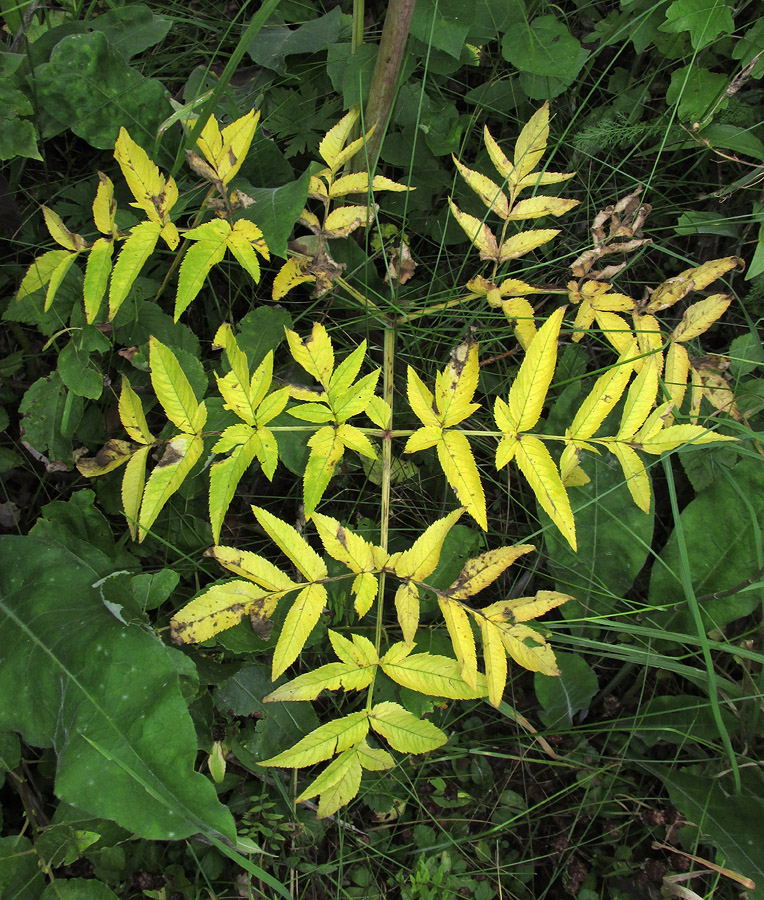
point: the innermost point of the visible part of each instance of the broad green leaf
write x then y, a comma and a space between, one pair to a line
326, 449
134, 253
292, 545
437, 676
525, 241
324, 742
529, 389
639, 400
403, 731
536, 464
484, 570
174, 391
421, 400
495, 659
421, 559
704, 23
253, 567
300, 621
219, 608
407, 609
133, 483
224, 479
132, 416
179, 457
330, 677
315, 354
98, 684
478, 233
567, 695
488, 191
461, 471
97, 274
549, 58
460, 632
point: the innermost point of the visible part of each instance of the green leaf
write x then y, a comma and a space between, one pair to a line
131, 29
78, 889
567, 694
544, 47
325, 742
275, 42
199, 259
276, 210
337, 784
174, 391
695, 89
224, 479
50, 415
20, 874
404, 731
444, 24
705, 21
77, 373
180, 456
98, 687
88, 87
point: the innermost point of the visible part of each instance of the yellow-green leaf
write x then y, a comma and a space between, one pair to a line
676, 435
615, 328
639, 400
537, 206
529, 649
152, 193
105, 206
403, 731
525, 241
478, 573
461, 471
455, 386
521, 316
421, 399
495, 659
324, 742
536, 464
374, 759
356, 398
292, 545
676, 372
315, 353
523, 609
365, 589
531, 144
421, 559
407, 609
61, 234
133, 482
219, 608
437, 676
378, 410
132, 416
326, 449
529, 389
57, 276
41, 271
423, 438
134, 253
337, 784
478, 233
637, 479
699, 317
336, 138
502, 165
236, 140
488, 191
359, 651
344, 545
244, 253
253, 567
199, 259
173, 389
224, 479
346, 372
603, 397
289, 276
180, 456
330, 677
460, 632
97, 274
300, 621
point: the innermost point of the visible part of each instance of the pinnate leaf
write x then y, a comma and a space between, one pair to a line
292, 545
421, 559
403, 731
300, 621
437, 676
324, 742
540, 471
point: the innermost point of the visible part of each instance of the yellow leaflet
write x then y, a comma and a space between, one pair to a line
350, 151
523, 609
380, 183
699, 317
41, 271
478, 573
538, 467
344, 545
539, 179
152, 193
344, 220
421, 399
224, 479
676, 435
495, 660
224, 339
271, 405
648, 332
583, 320
326, 449
289, 276
111, 456
61, 234
359, 651
253, 567
365, 589
695, 279
133, 482
602, 398
378, 410
134, 253
506, 450
437, 676
407, 609
357, 183
529, 389
478, 232
210, 141
236, 138
455, 386
460, 632
570, 470
423, 438
659, 417
312, 412
637, 479
421, 559
292, 545
330, 677
531, 144
639, 400
219, 608
57, 276
324, 742
403, 731
337, 784
336, 138
232, 437
374, 759
105, 206
676, 372
267, 451
310, 220
244, 254
522, 243
461, 471
488, 191
536, 656
346, 372
521, 316
199, 259
173, 389
315, 353
97, 274
180, 456
537, 206
616, 330
132, 416
248, 231
356, 398
300, 621
502, 165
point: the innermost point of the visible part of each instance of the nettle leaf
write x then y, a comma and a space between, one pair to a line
403, 731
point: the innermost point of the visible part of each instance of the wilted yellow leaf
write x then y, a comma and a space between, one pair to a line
219, 608
289, 276
478, 573
695, 279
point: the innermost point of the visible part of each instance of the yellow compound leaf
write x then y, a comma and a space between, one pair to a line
292, 545
323, 743
219, 608
331, 677
460, 632
603, 397
133, 482
488, 191
134, 253
289, 276
105, 206
537, 206
97, 274
695, 279
421, 399
530, 145
252, 567
461, 471
132, 416
529, 389
639, 400
61, 234
112, 455
344, 545
478, 573
478, 233
236, 140
344, 220
536, 464
502, 165
421, 559
315, 354
337, 784
699, 317
522, 243
495, 660
455, 386
637, 479
152, 193
173, 389
326, 449
676, 372
224, 479
179, 457
407, 609
300, 621
677, 435
403, 731
616, 329
436, 676
336, 138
